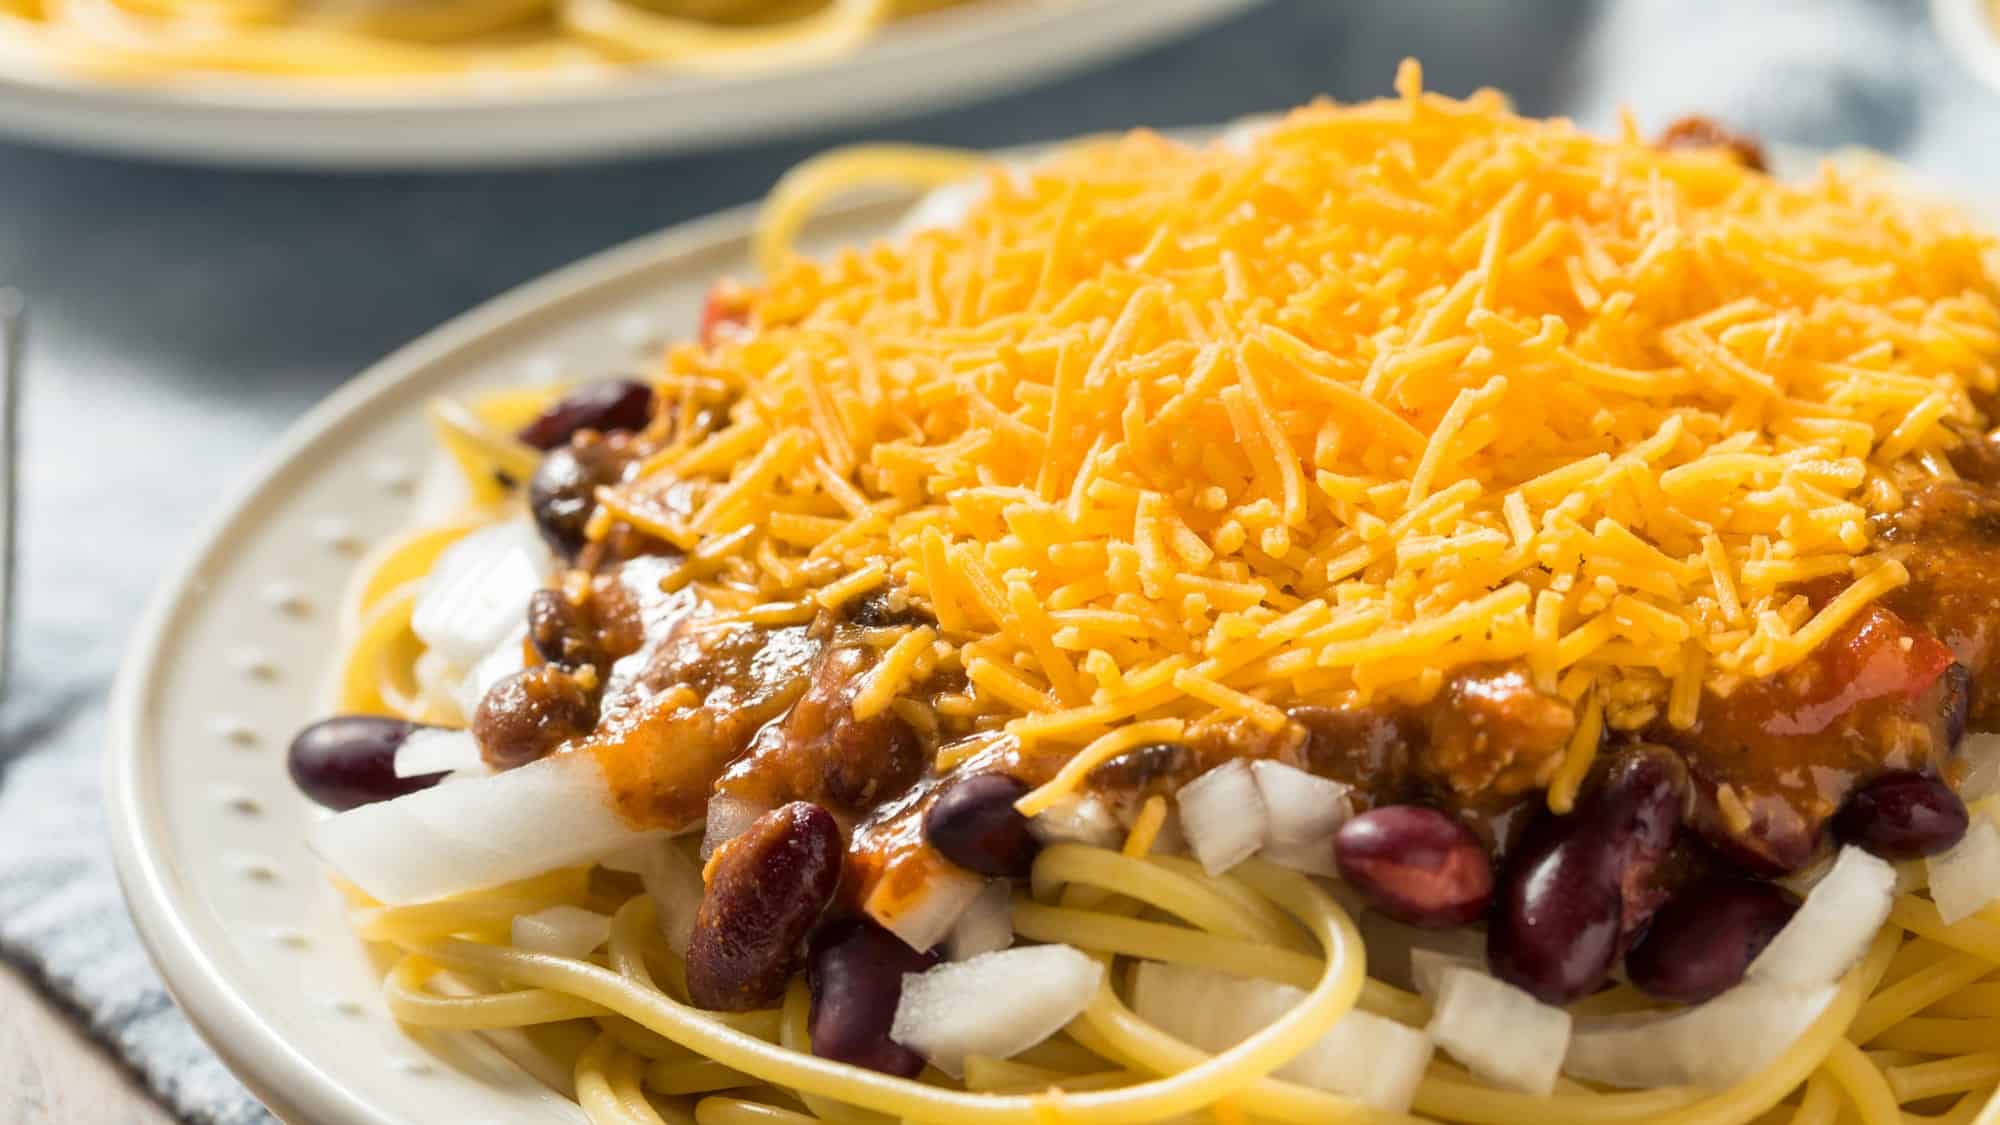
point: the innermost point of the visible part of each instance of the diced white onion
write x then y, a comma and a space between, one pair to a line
671, 881
1082, 820
1363, 1056
923, 921
1302, 808
1966, 879
505, 659
1499, 1032
1981, 752
477, 593
728, 818
1223, 816
565, 931
1833, 927
438, 751
987, 926
996, 1005
450, 839
1713, 1044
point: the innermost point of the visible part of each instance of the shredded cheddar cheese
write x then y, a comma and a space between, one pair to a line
1166, 434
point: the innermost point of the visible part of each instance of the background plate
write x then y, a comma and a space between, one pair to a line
921, 64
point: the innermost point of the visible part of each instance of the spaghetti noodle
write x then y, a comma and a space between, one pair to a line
359, 42
1260, 630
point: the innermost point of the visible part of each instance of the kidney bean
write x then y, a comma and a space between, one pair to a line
1416, 865
608, 407
856, 979
1578, 887
1902, 815
350, 760
560, 633
1145, 770
766, 890
530, 713
1704, 938
563, 492
972, 823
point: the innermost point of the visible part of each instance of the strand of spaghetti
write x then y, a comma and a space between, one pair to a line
1865, 1086
1197, 1086
1149, 882
808, 186
1974, 935
1242, 899
594, 1093
1759, 1092
1933, 1036
1916, 992
411, 1003
634, 32
794, 1035
1821, 1104
1464, 1099
738, 1111
628, 1075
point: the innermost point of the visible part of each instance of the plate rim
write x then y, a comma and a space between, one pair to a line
963, 57
276, 1071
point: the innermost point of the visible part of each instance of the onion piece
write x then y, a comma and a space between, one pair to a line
987, 926
996, 1005
728, 818
922, 920
429, 750
1833, 927
1363, 1056
1499, 1032
506, 658
942, 207
1981, 751
477, 591
450, 839
1713, 1044
565, 931
671, 881
1223, 816
1966, 877
1303, 808
1082, 820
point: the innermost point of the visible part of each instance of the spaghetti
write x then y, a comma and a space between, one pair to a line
1259, 630
362, 42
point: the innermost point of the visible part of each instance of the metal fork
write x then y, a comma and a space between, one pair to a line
10, 458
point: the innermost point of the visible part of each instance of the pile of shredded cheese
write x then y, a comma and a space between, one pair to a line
1159, 432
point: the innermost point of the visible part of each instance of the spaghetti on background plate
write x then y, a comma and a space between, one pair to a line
1404, 610
371, 42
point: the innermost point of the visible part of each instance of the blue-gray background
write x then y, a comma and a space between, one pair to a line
182, 317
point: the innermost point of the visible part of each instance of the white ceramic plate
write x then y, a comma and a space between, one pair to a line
1968, 29
234, 655
925, 63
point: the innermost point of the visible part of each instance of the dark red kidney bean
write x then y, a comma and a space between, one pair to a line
766, 890
856, 977
884, 609
350, 760
563, 492
1577, 888
1416, 865
972, 823
530, 713
620, 404
1902, 815
1703, 940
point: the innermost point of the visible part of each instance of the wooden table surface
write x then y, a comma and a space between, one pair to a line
52, 1074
